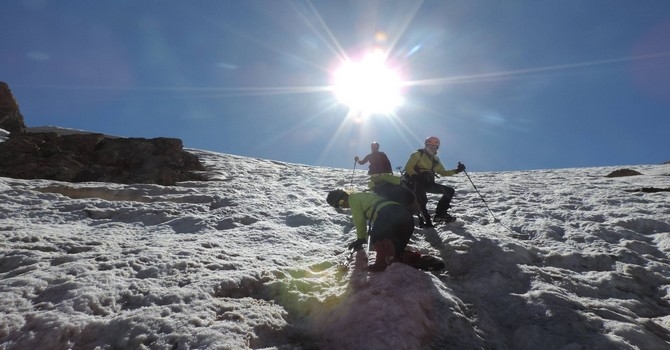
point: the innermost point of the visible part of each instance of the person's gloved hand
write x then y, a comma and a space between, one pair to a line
460, 168
357, 244
356, 159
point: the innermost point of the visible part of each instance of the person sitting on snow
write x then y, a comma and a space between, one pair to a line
420, 171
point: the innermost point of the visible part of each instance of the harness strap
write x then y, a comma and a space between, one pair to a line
375, 208
374, 211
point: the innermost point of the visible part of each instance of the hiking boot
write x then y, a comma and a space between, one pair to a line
444, 217
421, 261
430, 263
411, 258
385, 255
426, 225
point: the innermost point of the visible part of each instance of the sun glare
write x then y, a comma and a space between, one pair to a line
368, 86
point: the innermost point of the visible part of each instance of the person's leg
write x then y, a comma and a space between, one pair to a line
385, 255
403, 231
381, 236
390, 235
444, 203
422, 199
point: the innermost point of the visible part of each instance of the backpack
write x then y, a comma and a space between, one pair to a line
398, 193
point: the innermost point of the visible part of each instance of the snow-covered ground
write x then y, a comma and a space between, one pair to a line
254, 259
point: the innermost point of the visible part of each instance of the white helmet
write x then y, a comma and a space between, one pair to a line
432, 142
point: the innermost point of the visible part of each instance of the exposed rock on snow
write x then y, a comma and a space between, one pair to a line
623, 172
78, 156
96, 157
10, 116
650, 190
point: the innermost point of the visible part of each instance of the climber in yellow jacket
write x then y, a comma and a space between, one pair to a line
420, 171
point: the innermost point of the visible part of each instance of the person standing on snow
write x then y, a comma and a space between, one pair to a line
379, 162
380, 167
391, 224
420, 171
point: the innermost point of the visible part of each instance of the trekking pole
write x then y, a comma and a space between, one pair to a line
480, 196
515, 234
352, 174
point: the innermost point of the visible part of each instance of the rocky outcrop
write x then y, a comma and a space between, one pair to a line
10, 117
96, 157
623, 172
80, 157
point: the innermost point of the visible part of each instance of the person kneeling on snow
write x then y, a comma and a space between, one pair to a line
391, 224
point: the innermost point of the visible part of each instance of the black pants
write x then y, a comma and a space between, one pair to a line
421, 191
393, 222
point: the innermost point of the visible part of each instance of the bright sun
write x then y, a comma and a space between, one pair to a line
368, 86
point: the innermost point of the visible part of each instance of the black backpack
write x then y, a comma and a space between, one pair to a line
398, 193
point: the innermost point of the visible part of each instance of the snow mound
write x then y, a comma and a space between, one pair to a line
255, 258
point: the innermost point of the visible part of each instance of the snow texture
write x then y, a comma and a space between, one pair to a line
255, 258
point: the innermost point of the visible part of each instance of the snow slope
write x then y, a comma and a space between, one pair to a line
254, 259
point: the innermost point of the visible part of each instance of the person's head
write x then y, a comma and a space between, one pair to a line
338, 199
432, 144
374, 146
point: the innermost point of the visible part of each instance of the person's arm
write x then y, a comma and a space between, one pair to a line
356, 203
439, 168
364, 160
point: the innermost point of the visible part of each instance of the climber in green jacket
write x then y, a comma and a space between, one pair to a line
391, 224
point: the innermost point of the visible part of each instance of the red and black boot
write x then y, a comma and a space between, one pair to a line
385, 255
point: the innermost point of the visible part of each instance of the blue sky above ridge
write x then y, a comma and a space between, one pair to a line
505, 86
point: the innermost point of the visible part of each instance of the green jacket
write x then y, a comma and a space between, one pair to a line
421, 161
362, 206
376, 179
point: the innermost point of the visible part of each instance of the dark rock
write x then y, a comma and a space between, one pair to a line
96, 157
79, 157
650, 190
10, 117
623, 172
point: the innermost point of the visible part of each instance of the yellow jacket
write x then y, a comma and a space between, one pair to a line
421, 161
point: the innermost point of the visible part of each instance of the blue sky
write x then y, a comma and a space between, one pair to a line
506, 85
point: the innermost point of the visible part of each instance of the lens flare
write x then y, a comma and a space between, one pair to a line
368, 86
